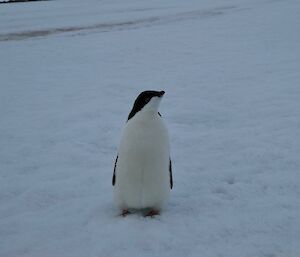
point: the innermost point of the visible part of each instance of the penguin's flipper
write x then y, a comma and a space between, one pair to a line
171, 176
114, 175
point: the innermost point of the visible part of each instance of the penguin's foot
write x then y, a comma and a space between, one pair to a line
125, 213
152, 213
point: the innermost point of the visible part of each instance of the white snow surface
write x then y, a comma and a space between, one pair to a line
70, 71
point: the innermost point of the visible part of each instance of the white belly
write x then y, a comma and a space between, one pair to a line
142, 173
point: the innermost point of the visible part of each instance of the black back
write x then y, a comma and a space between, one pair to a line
142, 100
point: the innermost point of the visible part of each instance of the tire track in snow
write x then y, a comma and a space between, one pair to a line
116, 26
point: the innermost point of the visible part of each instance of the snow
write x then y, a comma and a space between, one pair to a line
70, 71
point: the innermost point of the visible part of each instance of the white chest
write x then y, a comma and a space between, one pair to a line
142, 172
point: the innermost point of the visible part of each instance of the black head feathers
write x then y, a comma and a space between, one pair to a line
142, 100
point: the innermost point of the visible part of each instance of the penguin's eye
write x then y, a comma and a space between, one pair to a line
147, 99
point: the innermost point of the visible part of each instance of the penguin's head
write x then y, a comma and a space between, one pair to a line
146, 101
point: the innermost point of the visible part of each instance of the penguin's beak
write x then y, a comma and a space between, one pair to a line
161, 93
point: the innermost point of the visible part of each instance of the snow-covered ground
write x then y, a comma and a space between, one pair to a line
69, 72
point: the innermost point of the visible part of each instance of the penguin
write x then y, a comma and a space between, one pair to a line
142, 176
